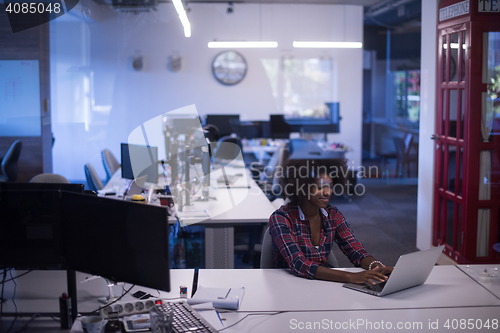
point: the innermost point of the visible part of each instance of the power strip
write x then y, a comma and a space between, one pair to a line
132, 307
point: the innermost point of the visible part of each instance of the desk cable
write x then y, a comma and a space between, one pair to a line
13, 296
18, 276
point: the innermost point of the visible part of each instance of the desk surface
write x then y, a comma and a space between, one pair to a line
241, 202
492, 284
276, 301
279, 290
39, 291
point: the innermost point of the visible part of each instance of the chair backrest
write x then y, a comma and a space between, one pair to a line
212, 133
282, 157
9, 161
110, 163
267, 257
296, 144
399, 144
93, 181
226, 148
277, 160
49, 178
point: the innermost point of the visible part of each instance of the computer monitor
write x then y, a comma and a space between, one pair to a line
9, 186
279, 128
30, 225
249, 130
119, 240
222, 122
139, 160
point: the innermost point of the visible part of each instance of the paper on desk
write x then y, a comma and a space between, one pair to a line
212, 317
219, 297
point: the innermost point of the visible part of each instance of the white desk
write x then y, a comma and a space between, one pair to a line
279, 290
242, 203
39, 291
363, 321
447, 294
474, 271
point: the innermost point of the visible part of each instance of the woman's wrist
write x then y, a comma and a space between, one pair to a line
375, 263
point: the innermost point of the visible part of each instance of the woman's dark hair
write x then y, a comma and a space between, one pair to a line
300, 174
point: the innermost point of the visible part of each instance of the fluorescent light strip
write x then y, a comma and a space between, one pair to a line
227, 45
183, 17
328, 45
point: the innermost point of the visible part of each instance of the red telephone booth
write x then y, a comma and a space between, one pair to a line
467, 140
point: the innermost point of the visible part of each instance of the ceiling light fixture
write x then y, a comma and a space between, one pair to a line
242, 44
328, 45
183, 17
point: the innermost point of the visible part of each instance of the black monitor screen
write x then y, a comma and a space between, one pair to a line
120, 240
78, 188
223, 122
30, 229
139, 160
279, 128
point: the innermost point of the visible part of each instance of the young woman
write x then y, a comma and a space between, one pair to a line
304, 230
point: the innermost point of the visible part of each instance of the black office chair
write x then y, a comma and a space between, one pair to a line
49, 178
8, 164
296, 144
211, 132
93, 181
110, 163
267, 257
228, 148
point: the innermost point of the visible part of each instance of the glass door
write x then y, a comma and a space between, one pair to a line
450, 140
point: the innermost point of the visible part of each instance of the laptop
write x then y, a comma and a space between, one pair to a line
411, 270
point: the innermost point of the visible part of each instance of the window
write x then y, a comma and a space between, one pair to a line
301, 87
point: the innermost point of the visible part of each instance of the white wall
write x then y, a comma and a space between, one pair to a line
103, 48
427, 124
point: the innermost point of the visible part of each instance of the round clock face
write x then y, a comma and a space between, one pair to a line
229, 67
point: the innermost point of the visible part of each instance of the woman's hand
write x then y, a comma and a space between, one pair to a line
372, 276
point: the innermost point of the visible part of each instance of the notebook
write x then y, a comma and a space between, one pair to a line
411, 270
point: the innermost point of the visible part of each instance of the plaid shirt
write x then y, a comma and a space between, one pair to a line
292, 245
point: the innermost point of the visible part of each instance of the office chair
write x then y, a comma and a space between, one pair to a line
110, 163
212, 133
268, 182
404, 154
227, 148
8, 164
267, 257
93, 181
49, 178
296, 144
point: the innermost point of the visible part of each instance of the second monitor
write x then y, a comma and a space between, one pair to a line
139, 160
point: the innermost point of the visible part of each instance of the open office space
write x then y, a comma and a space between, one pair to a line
148, 84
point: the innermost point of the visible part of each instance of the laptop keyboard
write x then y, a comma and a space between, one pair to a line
376, 287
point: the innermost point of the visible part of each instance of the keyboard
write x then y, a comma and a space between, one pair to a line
230, 179
186, 319
376, 287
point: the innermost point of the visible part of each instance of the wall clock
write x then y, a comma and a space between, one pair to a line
229, 67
